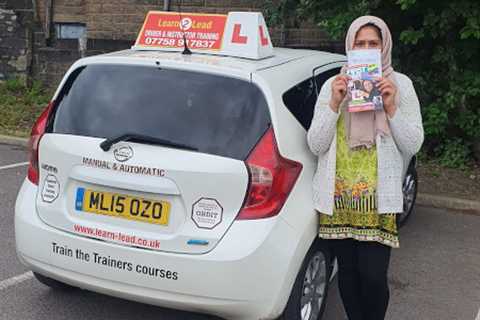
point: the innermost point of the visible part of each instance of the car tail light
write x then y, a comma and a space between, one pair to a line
272, 177
37, 132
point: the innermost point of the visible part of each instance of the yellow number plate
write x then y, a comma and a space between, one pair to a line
122, 206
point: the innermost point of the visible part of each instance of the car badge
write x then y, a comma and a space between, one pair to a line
123, 153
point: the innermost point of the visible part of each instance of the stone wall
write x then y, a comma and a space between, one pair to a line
121, 19
14, 43
27, 48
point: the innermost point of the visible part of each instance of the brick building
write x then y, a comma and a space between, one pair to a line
41, 38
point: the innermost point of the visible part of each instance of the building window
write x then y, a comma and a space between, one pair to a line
70, 30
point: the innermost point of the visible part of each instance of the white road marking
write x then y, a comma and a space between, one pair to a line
5, 284
478, 315
15, 165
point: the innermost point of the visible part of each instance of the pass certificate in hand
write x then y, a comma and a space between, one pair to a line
364, 66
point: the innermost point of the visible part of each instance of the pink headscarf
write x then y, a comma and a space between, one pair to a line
362, 127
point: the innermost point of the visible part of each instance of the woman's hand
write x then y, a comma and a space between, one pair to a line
339, 90
388, 90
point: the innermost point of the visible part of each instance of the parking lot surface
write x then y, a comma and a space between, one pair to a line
435, 275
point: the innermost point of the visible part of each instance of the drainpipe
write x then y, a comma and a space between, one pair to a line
30, 38
48, 20
283, 31
166, 5
35, 10
82, 45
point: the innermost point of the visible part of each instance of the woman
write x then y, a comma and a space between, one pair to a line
362, 158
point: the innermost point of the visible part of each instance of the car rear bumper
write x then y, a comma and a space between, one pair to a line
248, 275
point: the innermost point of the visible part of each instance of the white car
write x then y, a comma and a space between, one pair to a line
181, 181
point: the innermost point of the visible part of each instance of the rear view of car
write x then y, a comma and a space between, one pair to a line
139, 173
161, 186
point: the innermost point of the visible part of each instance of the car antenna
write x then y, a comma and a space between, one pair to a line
186, 50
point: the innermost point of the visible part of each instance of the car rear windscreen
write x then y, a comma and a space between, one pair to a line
214, 114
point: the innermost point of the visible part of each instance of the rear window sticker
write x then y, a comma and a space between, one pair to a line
122, 167
51, 189
207, 213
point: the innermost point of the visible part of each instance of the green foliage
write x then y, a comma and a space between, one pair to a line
278, 12
14, 85
20, 106
411, 36
437, 44
454, 154
405, 4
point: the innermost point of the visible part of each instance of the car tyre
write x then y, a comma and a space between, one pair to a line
52, 283
410, 189
309, 294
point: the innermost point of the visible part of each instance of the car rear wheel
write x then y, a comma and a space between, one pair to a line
308, 297
410, 187
52, 283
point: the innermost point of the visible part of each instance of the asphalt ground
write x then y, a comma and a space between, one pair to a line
435, 275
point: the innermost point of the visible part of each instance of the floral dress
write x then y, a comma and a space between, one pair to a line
355, 212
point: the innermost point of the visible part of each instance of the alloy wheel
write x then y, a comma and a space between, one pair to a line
409, 193
314, 286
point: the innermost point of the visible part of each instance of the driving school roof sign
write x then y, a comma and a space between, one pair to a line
239, 34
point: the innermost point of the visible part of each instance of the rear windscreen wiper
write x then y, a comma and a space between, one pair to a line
108, 143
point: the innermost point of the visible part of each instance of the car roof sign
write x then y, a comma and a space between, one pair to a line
238, 34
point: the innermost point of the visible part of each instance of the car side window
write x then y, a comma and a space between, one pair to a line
301, 98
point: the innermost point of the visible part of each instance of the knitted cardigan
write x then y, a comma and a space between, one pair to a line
393, 152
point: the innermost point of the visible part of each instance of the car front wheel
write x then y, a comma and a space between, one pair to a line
308, 297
